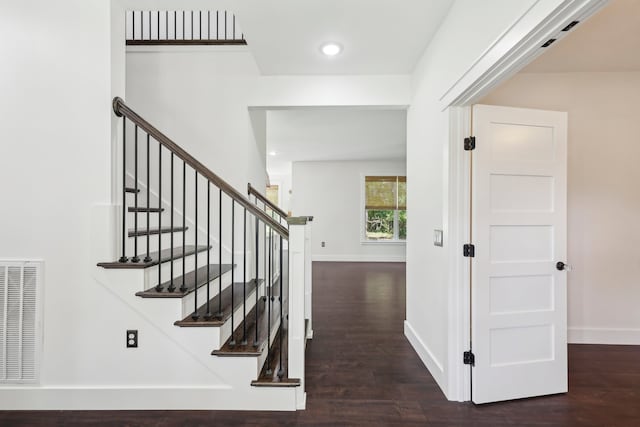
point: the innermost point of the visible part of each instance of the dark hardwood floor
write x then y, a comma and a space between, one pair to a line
361, 371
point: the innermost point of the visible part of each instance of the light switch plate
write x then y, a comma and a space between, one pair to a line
437, 238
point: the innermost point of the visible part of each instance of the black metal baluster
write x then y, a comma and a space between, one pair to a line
200, 22
175, 25
192, 25
149, 25
183, 287
220, 254
171, 287
234, 26
148, 258
269, 301
158, 24
183, 21
225, 24
244, 280
281, 369
166, 25
195, 314
133, 25
208, 25
135, 258
233, 306
217, 25
124, 258
255, 343
159, 286
208, 314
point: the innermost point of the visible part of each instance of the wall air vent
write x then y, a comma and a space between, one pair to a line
20, 321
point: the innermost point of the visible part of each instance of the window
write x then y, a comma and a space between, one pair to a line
272, 194
385, 208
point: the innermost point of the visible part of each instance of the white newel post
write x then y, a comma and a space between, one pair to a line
308, 291
297, 289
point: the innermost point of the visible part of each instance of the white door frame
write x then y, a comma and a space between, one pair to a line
515, 48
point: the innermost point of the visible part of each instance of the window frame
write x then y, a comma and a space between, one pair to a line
363, 214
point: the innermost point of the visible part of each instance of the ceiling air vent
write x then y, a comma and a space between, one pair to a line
20, 333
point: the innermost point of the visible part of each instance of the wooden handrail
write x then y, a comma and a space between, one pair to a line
253, 191
121, 109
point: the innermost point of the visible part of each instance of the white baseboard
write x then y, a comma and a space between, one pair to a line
611, 336
148, 398
430, 361
358, 258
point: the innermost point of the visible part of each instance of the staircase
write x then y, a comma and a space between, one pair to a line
217, 257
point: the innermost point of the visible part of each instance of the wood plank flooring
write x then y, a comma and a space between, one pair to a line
361, 371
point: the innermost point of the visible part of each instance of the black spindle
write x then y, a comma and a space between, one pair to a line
281, 369
225, 24
175, 25
217, 25
158, 12
183, 21
195, 314
208, 25
244, 280
220, 254
124, 258
208, 314
166, 25
135, 258
148, 258
233, 232
149, 25
269, 302
133, 25
200, 22
183, 286
234, 27
159, 286
192, 25
171, 287
255, 343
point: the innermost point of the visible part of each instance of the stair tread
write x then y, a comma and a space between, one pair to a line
266, 379
250, 349
155, 230
165, 255
143, 209
131, 190
226, 305
215, 270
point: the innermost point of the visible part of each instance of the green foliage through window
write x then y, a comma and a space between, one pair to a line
385, 207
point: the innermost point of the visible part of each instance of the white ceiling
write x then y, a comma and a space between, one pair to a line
333, 134
379, 36
607, 42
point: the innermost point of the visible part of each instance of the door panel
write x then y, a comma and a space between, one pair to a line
519, 232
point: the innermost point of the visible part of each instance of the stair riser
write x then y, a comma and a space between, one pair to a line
153, 241
263, 356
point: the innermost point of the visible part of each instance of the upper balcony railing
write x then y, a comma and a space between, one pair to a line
183, 27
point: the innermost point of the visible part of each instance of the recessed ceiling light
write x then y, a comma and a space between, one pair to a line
272, 153
331, 49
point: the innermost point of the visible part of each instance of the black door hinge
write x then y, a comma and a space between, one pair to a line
469, 250
470, 143
468, 358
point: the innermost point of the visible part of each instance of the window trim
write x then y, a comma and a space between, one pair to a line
363, 213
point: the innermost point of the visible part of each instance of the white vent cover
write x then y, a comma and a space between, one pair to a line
20, 331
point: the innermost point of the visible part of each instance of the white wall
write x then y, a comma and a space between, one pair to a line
603, 197
55, 167
331, 192
470, 30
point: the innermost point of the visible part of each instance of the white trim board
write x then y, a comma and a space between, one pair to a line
358, 258
516, 47
608, 336
148, 398
430, 361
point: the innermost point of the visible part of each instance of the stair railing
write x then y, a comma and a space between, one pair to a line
266, 227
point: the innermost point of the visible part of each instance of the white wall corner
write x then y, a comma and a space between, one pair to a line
430, 361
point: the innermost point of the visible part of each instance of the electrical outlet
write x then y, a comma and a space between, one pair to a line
132, 338
322, 244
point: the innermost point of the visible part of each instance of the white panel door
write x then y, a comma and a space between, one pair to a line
518, 295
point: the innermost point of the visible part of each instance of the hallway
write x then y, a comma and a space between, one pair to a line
361, 371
